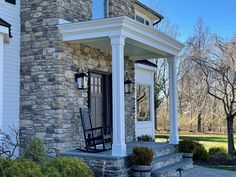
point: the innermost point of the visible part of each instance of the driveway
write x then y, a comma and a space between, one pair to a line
198, 171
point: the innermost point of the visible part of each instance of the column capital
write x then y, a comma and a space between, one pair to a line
118, 40
171, 59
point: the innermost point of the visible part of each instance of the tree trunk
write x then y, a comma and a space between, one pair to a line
230, 132
199, 122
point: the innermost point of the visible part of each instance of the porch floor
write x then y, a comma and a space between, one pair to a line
108, 154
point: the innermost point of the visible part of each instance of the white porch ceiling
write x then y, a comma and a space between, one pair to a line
142, 42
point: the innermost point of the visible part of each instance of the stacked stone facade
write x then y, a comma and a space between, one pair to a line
50, 101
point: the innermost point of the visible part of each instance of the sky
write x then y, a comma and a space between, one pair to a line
219, 15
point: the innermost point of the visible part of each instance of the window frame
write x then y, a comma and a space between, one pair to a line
145, 21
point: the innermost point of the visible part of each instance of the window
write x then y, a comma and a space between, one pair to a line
98, 9
142, 20
11, 1
143, 102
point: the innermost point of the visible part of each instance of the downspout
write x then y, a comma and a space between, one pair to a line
158, 21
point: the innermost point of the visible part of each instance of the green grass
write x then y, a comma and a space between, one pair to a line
208, 140
222, 167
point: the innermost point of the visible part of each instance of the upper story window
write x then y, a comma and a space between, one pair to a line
142, 20
11, 1
98, 9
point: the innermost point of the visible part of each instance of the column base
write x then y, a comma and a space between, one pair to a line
174, 139
119, 150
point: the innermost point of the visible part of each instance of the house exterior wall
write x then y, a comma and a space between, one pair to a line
11, 66
121, 8
50, 101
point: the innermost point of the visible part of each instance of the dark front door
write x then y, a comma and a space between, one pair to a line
100, 99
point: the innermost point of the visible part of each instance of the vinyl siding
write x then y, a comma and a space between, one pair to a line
11, 65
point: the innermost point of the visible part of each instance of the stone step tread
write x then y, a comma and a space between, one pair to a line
171, 167
153, 146
167, 157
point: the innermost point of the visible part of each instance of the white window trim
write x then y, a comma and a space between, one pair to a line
4, 33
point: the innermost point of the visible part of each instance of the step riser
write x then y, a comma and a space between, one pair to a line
161, 152
174, 173
163, 163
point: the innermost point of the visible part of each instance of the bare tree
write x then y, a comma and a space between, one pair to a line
9, 142
220, 76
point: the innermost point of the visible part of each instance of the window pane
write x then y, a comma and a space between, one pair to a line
143, 102
139, 19
147, 23
98, 9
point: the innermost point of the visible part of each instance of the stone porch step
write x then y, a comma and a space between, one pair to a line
159, 149
170, 170
168, 159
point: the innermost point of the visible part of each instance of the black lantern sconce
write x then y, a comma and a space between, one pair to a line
81, 79
129, 85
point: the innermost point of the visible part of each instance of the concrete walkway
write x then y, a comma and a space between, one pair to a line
198, 171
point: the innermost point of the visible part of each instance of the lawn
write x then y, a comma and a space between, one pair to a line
208, 140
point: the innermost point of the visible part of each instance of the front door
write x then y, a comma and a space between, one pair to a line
100, 99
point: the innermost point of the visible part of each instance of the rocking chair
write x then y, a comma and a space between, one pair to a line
96, 138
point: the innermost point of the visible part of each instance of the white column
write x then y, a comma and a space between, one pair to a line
173, 108
1, 78
118, 146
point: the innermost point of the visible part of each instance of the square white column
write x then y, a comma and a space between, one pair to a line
1, 77
118, 113
173, 108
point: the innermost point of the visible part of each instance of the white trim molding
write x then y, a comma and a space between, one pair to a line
144, 75
140, 34
1, 78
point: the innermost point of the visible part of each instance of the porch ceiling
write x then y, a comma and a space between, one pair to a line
142, 42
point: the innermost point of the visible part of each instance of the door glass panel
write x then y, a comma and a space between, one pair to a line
95, 89
143, 102
95, 81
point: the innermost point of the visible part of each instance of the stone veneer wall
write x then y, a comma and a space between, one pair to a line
50, 101
121, 8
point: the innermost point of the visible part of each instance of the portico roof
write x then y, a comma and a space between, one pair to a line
142, 42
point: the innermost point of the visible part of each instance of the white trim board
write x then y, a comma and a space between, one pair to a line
145, 75
136, 33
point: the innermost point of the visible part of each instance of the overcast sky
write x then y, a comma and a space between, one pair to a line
219, 15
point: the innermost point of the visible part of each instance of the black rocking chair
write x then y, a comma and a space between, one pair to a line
96, 138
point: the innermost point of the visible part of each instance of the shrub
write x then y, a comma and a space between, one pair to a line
219, 155
66, 167
36, 151
214, 150
20, 168
186, 146
142, 156
200, 153
145, 138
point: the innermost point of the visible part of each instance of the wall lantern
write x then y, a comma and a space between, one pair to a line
129, 85
81, 79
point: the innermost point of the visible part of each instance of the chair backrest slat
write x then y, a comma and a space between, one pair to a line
86, 119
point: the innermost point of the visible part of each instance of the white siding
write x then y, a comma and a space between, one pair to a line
11, 65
